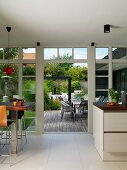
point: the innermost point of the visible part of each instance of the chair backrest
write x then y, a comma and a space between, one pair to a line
105, 99
84, 103
101, 98
66, 107
3, 116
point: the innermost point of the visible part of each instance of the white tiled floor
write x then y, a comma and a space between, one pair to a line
61, 152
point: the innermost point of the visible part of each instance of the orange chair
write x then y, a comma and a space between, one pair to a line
4, 125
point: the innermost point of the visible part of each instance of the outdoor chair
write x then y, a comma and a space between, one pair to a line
67, 107
83, 107
105, 99
100, 98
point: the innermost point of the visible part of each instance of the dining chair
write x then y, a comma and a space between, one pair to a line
83, 107
5, 125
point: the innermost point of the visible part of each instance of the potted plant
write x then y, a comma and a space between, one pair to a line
114, 96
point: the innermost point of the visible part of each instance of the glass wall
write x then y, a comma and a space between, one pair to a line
25, 67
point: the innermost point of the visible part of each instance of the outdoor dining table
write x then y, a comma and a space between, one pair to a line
76, 105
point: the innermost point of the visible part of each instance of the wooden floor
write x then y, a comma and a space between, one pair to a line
53, 122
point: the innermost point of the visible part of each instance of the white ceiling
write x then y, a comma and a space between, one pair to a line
63, 22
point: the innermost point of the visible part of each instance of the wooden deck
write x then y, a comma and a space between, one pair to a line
53, 122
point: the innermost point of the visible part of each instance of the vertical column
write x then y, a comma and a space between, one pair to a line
20, 73
39, 90
91, 86
69, 89
110, 77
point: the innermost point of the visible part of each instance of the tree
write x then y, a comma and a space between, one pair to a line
66, 66
53, 70
56, 70
78, 73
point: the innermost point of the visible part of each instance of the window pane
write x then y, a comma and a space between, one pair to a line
29, 69
119, 53
101, 53
29, 96
11, 88
9, 54
1, 53
65, 53
120, 77
29, 89
80, 53
50, 53
102, 80
29, 54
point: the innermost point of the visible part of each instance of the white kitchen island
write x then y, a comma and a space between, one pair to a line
110, 131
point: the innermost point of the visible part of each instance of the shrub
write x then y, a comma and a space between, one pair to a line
56, 105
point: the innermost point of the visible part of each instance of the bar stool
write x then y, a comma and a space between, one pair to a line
5, 126
20, 125
21, 122
21, 130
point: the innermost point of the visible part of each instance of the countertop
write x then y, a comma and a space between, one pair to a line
105, 107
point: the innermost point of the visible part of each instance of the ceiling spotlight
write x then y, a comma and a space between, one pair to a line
106, 28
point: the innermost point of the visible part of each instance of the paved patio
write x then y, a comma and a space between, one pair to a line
53, 122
